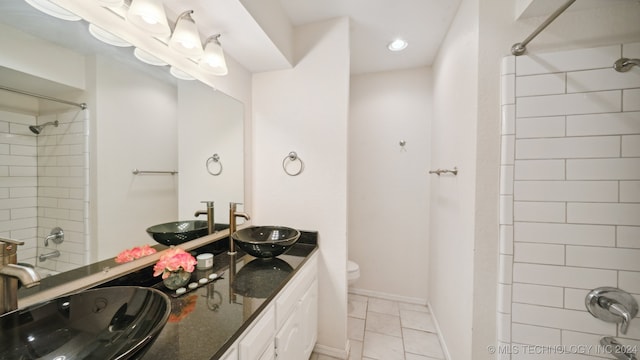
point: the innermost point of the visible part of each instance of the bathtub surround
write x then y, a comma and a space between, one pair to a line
569, 195
63, 194
19, 175
46, 175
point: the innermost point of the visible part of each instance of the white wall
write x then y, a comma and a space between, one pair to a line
209, 122
305, 110
570, 194
389, 185
41, 58
453, 197
135, 122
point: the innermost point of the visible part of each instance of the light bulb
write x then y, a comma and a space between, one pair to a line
397, 45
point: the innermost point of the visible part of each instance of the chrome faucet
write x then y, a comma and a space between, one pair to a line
233, 214
209, 212
56, 235
10, 274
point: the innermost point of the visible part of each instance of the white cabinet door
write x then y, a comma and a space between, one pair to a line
231, 354
260, 337
289, 344
309, 319
269, 353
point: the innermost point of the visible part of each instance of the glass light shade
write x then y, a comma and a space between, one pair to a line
212, 60
54, 10
180, 74
145, 57
185, 38
110, 3
150, 16
107, 37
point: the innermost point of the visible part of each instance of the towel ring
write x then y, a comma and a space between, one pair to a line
292, 157
215, 158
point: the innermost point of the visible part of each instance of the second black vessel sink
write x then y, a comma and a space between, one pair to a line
108, 323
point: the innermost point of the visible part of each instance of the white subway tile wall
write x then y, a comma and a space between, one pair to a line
19, 181
572, 154
43, 185
62, 168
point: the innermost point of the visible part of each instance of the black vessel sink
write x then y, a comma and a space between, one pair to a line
177, 232
107, 323
265, 241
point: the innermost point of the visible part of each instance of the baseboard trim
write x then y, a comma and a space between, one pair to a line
333, 352
386, 296
445, 350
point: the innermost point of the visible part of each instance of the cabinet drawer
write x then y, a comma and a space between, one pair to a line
256, 340
293, 292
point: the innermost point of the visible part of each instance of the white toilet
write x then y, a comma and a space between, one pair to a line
353, 272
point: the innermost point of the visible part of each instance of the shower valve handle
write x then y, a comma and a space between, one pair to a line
612, 305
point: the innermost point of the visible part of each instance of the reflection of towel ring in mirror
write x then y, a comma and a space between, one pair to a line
292, 157
212, 303
215, 158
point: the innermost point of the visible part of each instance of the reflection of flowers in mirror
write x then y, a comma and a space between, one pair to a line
174, 259
134, 253
182, 307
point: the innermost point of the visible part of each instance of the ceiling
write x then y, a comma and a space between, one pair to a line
374, 24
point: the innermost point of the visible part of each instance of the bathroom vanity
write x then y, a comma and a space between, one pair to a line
256, 309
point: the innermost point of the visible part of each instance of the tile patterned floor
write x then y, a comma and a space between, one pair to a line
381, 329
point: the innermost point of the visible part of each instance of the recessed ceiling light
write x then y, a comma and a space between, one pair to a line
397, 45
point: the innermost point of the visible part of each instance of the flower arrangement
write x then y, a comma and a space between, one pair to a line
134, 253
174, 259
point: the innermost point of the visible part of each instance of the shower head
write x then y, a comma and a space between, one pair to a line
36, 129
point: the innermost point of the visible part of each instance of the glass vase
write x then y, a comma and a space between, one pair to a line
176, 279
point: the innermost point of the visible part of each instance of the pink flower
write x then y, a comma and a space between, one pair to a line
174, 259
134, 253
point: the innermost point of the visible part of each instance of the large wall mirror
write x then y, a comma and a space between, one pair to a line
76, 171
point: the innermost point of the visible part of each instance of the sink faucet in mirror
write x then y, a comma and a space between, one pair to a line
233, 214
11, 273
211, 225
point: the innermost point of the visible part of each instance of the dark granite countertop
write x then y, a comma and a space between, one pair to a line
206, 321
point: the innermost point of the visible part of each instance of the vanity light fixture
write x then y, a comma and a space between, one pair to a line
397, 45
107, 37
111, 3
212, 60
150, 16
185, 38
145, 57
180, 74
54, 10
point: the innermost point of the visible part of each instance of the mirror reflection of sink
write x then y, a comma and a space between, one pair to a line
106, 323
259, 277
265, 241
177, 232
